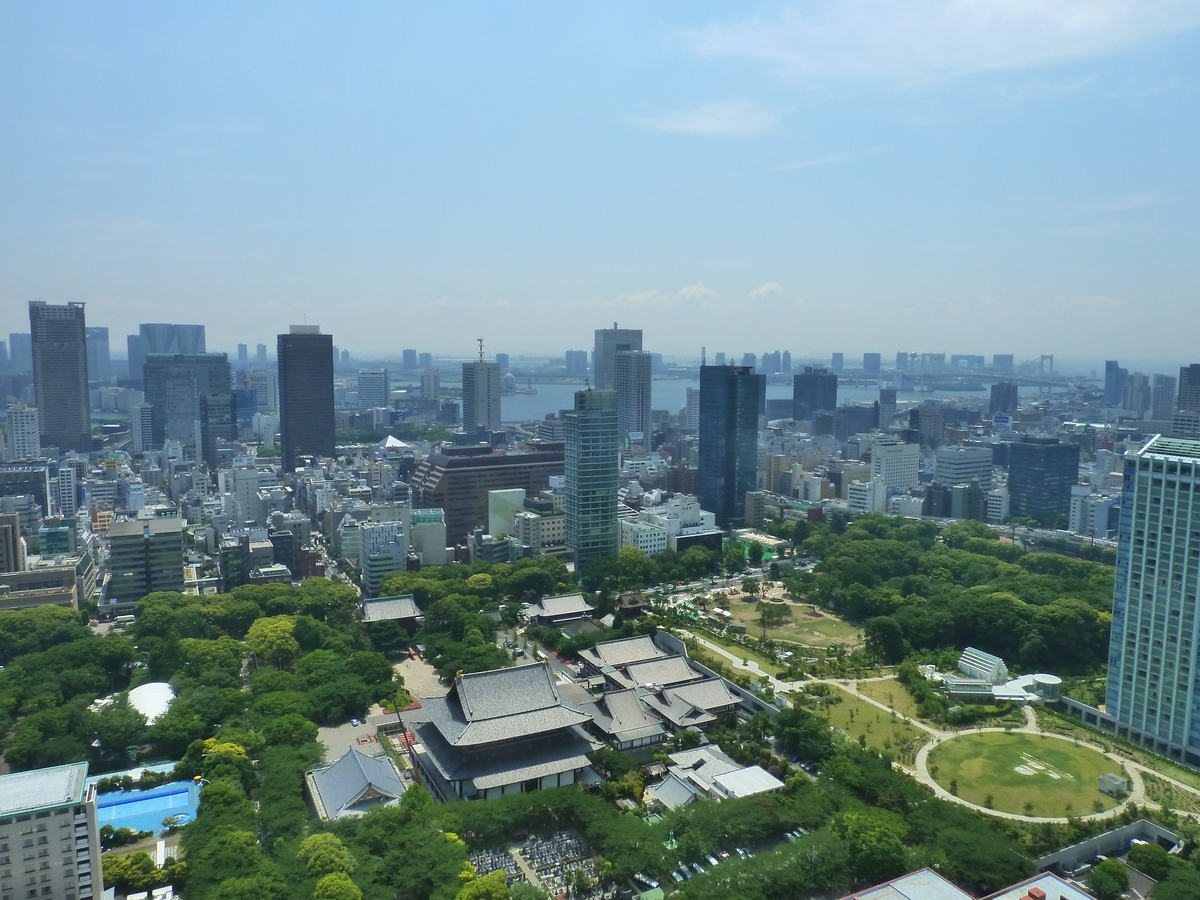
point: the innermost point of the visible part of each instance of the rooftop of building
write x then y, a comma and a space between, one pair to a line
22, 792
353, 783
1179, 449
387, 609
135, 527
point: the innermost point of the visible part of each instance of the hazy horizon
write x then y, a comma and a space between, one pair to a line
933, 175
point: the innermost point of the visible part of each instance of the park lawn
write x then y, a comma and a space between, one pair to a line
802, 627
857, 718
1057, 777
891, 692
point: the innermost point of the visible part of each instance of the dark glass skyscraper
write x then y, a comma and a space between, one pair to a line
1040, 474
729, 408
60, 375
813, 391
305, 359
185, 391
1004, 398
1114, 382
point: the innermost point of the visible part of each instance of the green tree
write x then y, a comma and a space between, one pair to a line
290, 730
1109, 880
756, 553
734, 559
117, 725
324, 853
1183, 884
1151, 859
272, 639
875, 840
337, 886
489, 887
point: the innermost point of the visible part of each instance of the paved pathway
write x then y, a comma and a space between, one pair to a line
920, 770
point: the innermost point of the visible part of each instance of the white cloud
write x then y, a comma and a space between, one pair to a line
915, 40
765, 290
737, 118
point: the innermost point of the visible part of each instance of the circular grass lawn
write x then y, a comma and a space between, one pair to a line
1008, 771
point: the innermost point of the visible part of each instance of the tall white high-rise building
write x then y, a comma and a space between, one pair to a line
631, 380
67, 483
1153, 680
591, 469
372, 388
265, 384
1162, 397
431, 385
481, 396
141, 428
24, 432
692, 416
896, 464
609, 342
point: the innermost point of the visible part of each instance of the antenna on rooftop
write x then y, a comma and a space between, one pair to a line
480, 348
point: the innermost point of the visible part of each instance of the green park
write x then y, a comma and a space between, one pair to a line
1023, 774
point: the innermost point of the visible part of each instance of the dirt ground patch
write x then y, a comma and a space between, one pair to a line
420, 678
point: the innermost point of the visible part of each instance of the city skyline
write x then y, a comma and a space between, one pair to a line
919, 176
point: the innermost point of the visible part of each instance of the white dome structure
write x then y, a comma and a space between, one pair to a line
151, 699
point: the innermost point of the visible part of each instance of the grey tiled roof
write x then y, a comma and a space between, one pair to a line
692, 704
622, 715
554, 607
501, 705
354, 779
623, 652
670, 671
672, 792
388, 609
563, 751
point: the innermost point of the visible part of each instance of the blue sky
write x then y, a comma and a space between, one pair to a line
971, 176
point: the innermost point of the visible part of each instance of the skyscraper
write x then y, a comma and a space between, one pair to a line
872, 364
502, 362
1040, 474
161, 337
20, 353
1114, 382
1153, 682
1004, 398
305, 358
409, 362
1162, 398
631, 380
243, 356
481, 396
608, 342
1189, 387
191, 400
372, 388
887, 408
839, 362
590, 467
576, 362
813, 390
98, 356
60, 375
260, 355
729, 401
